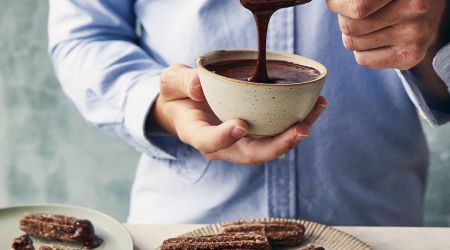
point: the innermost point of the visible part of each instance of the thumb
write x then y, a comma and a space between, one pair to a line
179, 82
209, 139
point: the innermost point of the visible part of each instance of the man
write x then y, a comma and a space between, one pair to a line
364, 161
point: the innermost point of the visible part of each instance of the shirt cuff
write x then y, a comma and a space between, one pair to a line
139, 102
434, 117
441, 64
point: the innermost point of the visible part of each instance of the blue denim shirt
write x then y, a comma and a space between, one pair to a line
365, 163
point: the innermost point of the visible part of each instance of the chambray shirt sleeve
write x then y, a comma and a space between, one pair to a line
109, 78
441, 64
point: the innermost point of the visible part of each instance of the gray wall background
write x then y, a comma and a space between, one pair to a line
49, 154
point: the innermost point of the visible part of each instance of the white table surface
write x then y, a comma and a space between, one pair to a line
149, 237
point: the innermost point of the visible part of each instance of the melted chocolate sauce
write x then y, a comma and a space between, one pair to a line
85, 233
262, 11
279, 72
93, 242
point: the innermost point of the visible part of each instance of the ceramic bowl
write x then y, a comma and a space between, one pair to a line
268, 108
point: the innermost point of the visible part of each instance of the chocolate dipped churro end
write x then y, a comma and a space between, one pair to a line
24, 242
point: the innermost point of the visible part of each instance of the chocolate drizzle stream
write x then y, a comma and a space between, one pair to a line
262, 11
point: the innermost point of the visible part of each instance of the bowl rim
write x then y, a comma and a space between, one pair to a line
323, 71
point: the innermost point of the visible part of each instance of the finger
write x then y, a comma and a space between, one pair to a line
194, 128
402, 58
319, 107
382, 38
356, 9
180, 81
257, 151
195, 88
392, 14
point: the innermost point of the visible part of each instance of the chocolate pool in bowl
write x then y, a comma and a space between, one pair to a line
268, 108
279, 72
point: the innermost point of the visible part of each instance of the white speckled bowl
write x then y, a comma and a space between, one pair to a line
269, 108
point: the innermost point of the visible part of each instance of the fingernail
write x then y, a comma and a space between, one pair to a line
300, 137
238, 132
322, 102
281, 157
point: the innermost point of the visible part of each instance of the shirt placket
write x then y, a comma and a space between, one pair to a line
281, 173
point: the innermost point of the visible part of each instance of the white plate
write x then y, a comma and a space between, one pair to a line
114, 235
320, 235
